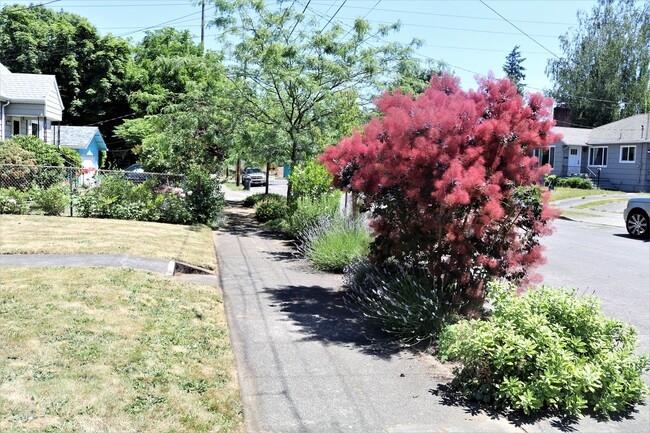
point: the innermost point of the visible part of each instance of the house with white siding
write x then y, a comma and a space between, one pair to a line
29, 103
617, 154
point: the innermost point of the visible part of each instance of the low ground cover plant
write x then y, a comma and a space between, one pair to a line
547, 350
334, 243
406, 302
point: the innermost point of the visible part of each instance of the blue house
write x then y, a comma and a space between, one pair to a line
86, 140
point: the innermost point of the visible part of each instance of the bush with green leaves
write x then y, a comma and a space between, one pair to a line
204, 200
574, 182
334, 243
254, 199
47, 154
310, 180
118, 198
267, 210
408, 303
547, 350
308, 211
53, 200
14, 201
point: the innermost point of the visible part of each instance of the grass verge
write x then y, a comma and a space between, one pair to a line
33, 234
564, 193
595, 204
122, 351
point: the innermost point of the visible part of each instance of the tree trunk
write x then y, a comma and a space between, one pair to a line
268, 167
237, 171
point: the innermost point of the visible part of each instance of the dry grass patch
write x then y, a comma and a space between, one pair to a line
123, 351
564, 193
33, 234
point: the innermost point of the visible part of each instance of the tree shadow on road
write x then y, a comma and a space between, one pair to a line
322, 315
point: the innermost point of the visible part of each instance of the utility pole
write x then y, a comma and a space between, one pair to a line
202, 27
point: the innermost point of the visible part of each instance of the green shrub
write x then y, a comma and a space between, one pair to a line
310, 180
267, 210
253, 199
574, 182
14, 201
547, 350
47, 154
308, 211
406, 302
205, 200
334, 243
52, 200
118, 198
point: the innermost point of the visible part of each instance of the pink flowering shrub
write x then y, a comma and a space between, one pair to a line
451, 181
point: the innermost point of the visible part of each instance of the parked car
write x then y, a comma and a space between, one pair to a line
636, 217
135, 173
254, 176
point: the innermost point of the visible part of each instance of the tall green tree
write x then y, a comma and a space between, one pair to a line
604, 74
514, 69
302, 77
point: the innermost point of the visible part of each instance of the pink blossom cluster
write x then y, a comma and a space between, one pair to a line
167, 189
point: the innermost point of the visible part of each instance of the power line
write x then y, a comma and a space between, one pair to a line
520, 30
303, 11
335, 13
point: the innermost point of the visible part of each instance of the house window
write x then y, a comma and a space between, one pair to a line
598, 156
573, 152
35, 129
16, 127
545, 156
628, 153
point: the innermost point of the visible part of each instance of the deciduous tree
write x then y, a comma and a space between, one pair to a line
604, 74
451, 181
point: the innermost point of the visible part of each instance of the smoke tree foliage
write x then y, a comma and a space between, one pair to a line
604, 74
451, 182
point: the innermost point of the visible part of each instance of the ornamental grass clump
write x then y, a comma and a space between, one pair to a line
547, 350
309, 210
334, 243
406, 302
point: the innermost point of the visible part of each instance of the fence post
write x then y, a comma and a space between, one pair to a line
71, 188
184, 184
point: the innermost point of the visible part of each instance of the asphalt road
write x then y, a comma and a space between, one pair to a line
605, 261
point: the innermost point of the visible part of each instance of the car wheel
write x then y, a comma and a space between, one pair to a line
637, 224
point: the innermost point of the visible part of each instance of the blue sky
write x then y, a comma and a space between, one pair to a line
473, 37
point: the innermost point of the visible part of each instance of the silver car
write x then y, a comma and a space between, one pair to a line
636, 217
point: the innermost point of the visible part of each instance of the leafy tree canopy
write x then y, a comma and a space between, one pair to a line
302, 77
604, 74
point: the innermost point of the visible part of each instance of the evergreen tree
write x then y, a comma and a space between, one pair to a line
514, 69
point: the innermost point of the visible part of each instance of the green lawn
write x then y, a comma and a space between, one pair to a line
113, 351
24, 234
564, 193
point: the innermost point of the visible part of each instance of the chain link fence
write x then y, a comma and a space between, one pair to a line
25, 179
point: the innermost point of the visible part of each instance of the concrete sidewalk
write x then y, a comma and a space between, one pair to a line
306, 364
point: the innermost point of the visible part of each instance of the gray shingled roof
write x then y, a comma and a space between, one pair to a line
632, 129
79, 137
573, 136
26, 87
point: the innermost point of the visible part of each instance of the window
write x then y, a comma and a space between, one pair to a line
628, 153
545, 156
573, 152
598, 156
16, 127
35, 129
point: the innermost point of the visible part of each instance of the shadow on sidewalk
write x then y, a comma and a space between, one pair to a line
322, 315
